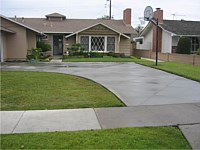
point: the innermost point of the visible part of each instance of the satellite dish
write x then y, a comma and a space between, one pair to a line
148, 13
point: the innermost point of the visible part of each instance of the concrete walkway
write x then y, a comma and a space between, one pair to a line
56, 60
186, 116
153, 97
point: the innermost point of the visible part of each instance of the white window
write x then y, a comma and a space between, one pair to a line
98, 43
194, 44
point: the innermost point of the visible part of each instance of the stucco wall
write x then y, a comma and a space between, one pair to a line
175, 40
166, 42
16, 44
147, 41
31, 39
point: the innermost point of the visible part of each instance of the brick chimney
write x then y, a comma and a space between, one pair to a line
127, 16
158, 14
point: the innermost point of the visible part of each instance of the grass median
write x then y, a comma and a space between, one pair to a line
127, 138
40, 91
184, 70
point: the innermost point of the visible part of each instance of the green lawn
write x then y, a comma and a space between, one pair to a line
128, 138
39, 91
184, 70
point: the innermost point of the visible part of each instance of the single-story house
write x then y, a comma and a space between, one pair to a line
169, 32
61, 33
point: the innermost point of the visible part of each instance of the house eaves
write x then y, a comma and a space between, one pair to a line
6, 30
174, 34
187, 35
149, 26
146, 29
58, 32
21, 24
94, 26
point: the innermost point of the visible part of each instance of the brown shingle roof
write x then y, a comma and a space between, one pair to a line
74, 25
182, 27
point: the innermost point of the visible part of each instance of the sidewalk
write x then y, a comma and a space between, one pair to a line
105, 118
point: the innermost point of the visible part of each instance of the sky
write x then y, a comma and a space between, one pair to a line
92, 9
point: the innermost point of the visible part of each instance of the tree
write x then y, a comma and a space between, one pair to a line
184, 45
139, 28
106, 17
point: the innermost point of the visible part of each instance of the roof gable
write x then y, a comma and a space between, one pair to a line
25, 26
55, 15
97, 27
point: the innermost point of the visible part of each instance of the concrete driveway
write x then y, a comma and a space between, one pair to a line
134, 84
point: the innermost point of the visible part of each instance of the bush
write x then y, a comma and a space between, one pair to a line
34, 54
43, 46
96, 54
198, 51
76, 50
117, 55
184, 46
112, 54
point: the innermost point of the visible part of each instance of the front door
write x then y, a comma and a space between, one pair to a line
57, 45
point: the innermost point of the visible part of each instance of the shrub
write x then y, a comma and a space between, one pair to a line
198, 51
34, 54
96, 55
112, 54
76, 50
184, 46
43, 46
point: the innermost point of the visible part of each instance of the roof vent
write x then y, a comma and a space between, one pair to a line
55, 17
158, 8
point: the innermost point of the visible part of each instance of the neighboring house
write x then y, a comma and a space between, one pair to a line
15, 39
170, 32
94, 34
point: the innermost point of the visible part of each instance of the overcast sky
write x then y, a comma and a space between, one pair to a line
92, 9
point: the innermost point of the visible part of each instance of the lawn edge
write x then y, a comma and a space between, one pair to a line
181, 75
115, 95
